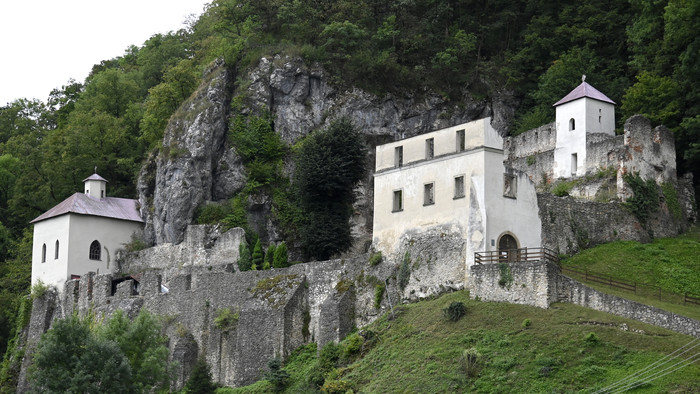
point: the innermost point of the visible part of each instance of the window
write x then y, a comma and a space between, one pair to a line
429, 194
398, 156
56, 251
398, 201
95, 250
574, 163
572, 124
460, 140
102, 194
429, 148
509, 186
43, 253
459, 186
600, 115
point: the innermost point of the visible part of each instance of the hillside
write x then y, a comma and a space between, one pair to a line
565, 348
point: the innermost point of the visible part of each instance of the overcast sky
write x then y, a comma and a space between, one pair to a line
44, 43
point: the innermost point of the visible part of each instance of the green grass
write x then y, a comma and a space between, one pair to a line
566, 348
672, 264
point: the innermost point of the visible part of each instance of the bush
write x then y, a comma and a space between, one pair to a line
591, 339
405, 271
39, 289
226, 319
645, 200
276, 375
455, 311
200, 380
469, 362
270, 255
245, 260
526, 323
281, 257
257, 256
562, 188
378, 295
375, 258
351, 345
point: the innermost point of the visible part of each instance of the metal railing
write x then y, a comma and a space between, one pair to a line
516, 256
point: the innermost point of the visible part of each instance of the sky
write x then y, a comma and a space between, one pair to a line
44, 43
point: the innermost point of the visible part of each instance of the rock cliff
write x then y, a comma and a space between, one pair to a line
197, 165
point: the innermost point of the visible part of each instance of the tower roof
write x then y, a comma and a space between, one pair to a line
584, 90
95, 177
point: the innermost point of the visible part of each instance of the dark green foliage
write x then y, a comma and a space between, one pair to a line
270, 255
211, 213
259, 146
245, 260
645, 199
226, 319
671, 198
405, 270
375, 258
329, 164
276, 375
378, 295
257, 258
200, 380
455, 311
506, 276
281, 257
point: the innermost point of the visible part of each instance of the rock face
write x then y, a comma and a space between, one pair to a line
196, 164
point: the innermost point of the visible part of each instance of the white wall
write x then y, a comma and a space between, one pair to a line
586, 112
52, 272
477, 133
75, 233
111, 233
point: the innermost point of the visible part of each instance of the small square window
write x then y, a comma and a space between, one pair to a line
429, 148
398, 156
398, 201
429, 194
509, 186
461, 142
459, 187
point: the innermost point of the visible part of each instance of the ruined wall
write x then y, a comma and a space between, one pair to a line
541, 283
603, 150
532, 152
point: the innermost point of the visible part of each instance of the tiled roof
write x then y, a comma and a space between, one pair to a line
584, 90
82, 204
95, 177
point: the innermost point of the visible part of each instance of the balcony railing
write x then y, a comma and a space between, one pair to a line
516, 255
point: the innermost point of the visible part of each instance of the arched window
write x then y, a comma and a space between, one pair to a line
56, 251
572, 124
43, 253
95, 250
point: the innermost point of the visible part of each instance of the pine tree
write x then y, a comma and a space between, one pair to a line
281, 258
244, 258
258, 255
200, 381
270, 256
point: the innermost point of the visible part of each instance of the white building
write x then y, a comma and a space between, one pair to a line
453, 178
582, 112
81, 234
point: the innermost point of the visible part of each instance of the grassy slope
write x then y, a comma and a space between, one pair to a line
420, 351
673, 264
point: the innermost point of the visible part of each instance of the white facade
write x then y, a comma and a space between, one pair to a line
584, 111
82, 234
472, 193
75, 233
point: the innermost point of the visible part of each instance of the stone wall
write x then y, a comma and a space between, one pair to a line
541, 283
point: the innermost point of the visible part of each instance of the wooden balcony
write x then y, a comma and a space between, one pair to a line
516, 256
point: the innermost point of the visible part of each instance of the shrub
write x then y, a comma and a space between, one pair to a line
405, 271
591, 339
257, 256
270, 256
506, 276
336, 386
245, 260
200, 381
469, 362
351, 345
562, 189
210, 213
645, 200
531, 160
378, 295
39, 289
226, 319
281, 257
526, 323
375, 258
455, 311
276, 375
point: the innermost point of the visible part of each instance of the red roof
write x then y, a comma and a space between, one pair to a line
82, 204
584, 90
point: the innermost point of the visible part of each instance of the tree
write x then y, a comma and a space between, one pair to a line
270, 255
200, 381
257, 256
281, 258
245, 260
329, 165
70, 358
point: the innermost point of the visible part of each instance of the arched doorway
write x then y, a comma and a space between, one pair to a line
507, 248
